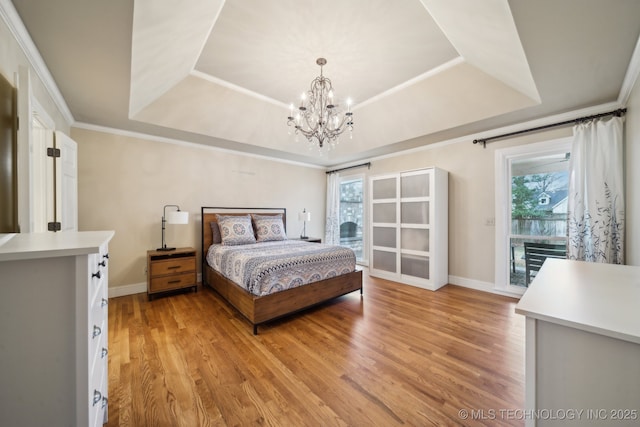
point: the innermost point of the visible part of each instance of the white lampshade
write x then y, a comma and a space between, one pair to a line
304, 216
178, 217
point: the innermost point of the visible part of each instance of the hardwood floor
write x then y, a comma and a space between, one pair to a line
396, 355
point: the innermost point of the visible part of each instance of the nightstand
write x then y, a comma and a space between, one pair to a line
311, 239
171, 270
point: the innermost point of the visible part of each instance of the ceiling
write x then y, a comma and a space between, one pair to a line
223, 73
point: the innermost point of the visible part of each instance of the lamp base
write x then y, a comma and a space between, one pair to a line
166, 249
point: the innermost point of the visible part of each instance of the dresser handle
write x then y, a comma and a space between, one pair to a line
105, 402
173, 281
97, 397
104, 302
104, 352
103, 263
173, 267
96, 331
105, 256
96, 274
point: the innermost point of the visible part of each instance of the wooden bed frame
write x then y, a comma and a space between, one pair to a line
261, 309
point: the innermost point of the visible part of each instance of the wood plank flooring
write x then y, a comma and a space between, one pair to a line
395, 355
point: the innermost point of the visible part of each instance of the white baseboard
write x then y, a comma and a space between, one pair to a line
480, 286
120, 291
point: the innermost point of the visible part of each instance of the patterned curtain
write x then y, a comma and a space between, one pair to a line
332, 224
596, 193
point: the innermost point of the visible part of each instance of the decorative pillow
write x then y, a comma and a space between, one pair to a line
215, 232
269, 228
235, 229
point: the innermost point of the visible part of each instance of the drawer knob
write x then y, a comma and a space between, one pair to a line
96, 331
105, 256
98, 275
104, 303
103, 263
105, 402
97, 397
104, 352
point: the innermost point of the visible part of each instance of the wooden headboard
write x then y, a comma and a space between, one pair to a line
209, 216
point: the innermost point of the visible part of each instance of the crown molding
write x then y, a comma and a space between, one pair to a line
11, 18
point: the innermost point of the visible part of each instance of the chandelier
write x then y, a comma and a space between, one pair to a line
317, 116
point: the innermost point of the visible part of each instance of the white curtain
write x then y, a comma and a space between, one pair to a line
596, 193
332, 224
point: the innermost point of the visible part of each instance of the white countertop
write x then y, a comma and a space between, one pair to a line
598, 298
22, 246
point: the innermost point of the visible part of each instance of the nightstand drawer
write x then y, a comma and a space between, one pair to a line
173, 266
177, 281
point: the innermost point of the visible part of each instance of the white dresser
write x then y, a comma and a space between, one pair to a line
53, 329
582, 353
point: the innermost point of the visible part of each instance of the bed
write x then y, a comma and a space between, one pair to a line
264, 307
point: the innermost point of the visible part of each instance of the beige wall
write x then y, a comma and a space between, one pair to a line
471, 197
124, 182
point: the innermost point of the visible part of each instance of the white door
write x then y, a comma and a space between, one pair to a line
67, 183
41, 175
531, 194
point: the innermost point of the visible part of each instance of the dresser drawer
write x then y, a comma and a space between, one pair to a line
177, 281
173, 266
98, 398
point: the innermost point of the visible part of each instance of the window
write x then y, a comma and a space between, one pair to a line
352, 218
531, 210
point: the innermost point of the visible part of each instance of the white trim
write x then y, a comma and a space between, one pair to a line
239, 89
147, 137
434, 71
633, 71
479, 285
20, 33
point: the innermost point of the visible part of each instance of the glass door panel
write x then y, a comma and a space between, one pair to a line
384, 236
384, 188
414, 212
415, 239
385, 261
538, 212
415, 185
384, 212
415, 265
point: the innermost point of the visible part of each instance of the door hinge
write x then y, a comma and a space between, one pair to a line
54, 226
53, 152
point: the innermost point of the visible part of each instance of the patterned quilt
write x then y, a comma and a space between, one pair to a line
268, 267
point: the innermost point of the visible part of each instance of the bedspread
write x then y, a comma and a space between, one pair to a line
267, 267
